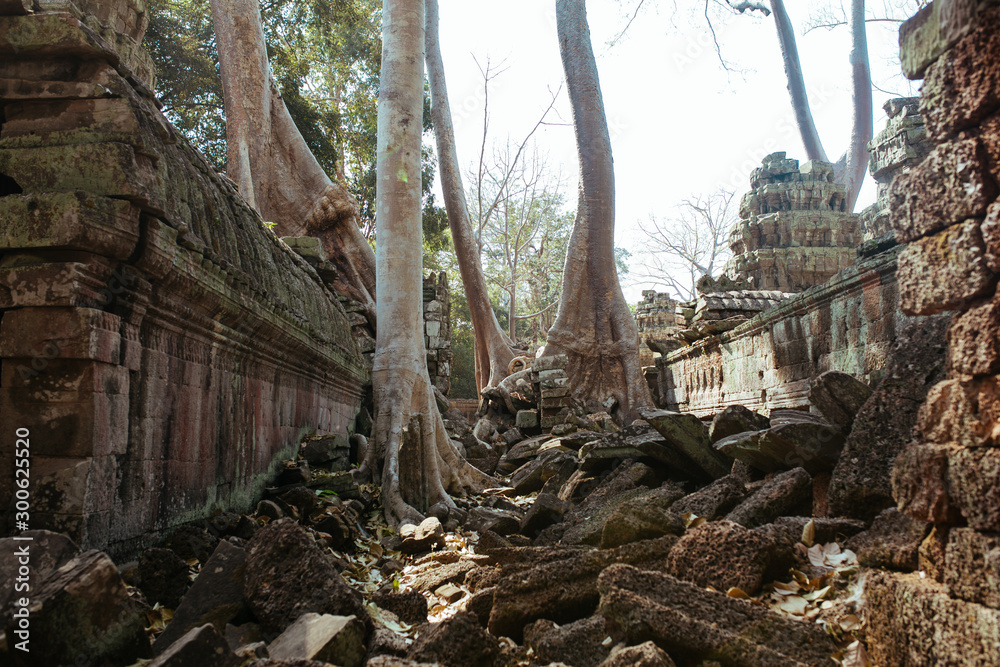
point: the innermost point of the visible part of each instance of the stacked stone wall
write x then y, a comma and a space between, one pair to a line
794, 231
161, 345
437, 330
847, 325
947, 211
655, 317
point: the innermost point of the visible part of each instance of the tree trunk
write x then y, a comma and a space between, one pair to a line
270, 162
493, 349
861, 128
419, 465
796, 84
594, 327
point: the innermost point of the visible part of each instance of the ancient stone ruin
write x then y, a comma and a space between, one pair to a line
150, 320
820, 484
793, 231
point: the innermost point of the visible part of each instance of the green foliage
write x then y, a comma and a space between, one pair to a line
181, 41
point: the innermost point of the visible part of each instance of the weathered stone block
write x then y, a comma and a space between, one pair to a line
787, 494
974, 340
704, 625
81, 609
322, 637
963, 86
951, 184
920, 483
721, 554
972, 566
913, 621
215, 597
946, 271
688, 434
110, 169
72, 220
962, 411
974, 486
552, 362
860, 486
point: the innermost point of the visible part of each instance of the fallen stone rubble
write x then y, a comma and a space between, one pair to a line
652, 544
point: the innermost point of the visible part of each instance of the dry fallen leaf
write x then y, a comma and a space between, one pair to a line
786, 589
793, 604
738, 594
809, 533
850, 623
855, 655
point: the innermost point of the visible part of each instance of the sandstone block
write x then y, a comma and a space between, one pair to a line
646, 654
215, 597
456, 642
688, 434
813, 446
950, 185
287, 575
974, 340
564, 589
80, 609
49, 551
839, 397
163, 577
200, 646
645, 517
972, 566
109, 227
974, 486
991, 225
714, 500
946, 271
735, 419
892, 542
703, 625
963, 86
721, 554
861, 485
422, 537
580, 643
786, 494
409, 606
323, 637
913, 621
963, 411
920, 483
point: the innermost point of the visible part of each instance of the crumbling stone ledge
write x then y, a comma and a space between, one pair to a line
161, 344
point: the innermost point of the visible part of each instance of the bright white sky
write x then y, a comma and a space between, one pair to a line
680, 125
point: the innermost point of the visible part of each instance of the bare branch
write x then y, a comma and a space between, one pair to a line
629, 24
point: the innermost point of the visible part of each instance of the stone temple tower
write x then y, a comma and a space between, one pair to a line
794, 231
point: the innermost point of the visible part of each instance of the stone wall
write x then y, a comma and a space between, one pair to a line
947, 210
162, 346
655, 318
901, 145
793, 231
437, 330
848, 324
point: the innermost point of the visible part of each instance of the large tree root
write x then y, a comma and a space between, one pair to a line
412, 454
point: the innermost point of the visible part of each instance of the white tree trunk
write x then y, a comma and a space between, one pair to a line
796, 83
493, 350
419, 465
861, 128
